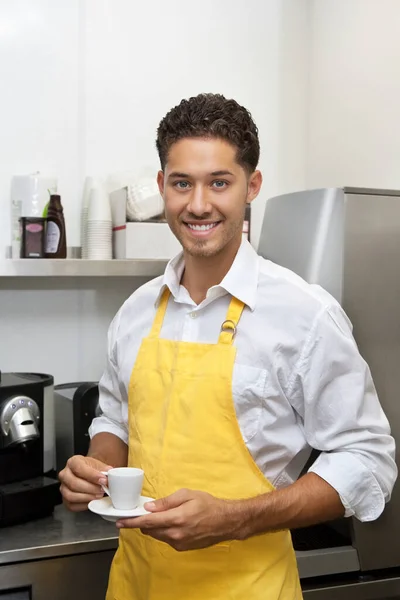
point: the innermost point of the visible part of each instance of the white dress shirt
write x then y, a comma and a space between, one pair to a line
299, 381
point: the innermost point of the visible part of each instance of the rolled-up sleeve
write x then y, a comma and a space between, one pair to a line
111, 393
333, 391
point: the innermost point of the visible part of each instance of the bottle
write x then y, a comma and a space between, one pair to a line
246, 222
56, 243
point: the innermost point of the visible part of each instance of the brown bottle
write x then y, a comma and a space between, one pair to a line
246, 222
56, 242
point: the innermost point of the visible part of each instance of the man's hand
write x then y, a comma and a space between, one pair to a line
81, 481
187, 520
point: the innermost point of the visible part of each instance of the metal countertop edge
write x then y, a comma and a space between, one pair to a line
57, 550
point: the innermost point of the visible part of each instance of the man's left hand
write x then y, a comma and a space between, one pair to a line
187, 520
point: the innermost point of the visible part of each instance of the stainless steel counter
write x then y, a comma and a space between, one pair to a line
62, 534
66, 533
37, 557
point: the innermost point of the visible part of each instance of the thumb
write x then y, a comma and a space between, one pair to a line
173, 501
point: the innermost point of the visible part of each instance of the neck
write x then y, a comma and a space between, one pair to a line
203, 272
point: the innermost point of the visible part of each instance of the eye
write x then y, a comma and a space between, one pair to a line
182, 185
219, 184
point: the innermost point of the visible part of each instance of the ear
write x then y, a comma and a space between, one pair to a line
253, 186
160, 182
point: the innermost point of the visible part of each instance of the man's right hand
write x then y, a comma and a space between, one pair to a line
81, 481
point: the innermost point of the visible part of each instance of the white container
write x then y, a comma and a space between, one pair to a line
145, 241
139, 240
143, 200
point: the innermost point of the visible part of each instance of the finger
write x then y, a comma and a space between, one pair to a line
173, 501
133, 523
162, 535
161, 520
81, 469
77, 497
173, 537
75, 484
76, 507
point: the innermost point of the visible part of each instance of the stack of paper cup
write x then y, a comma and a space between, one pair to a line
89, 184
99, 225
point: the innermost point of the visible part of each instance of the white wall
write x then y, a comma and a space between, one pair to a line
39, 71
84, 85
354, 101
293, 69
141, 59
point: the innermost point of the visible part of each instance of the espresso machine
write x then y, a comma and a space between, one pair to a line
347, 240
28, 485
75, 405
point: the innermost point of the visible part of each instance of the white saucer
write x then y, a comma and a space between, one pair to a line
105, 509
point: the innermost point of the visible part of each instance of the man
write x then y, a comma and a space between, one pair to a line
221, 377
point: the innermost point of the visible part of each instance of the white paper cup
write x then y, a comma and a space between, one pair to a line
99, 256
99, 240
124, 487
99, 205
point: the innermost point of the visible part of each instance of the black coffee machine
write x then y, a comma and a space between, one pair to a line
26, 492
76, 405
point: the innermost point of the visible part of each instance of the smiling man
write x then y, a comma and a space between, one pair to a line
221, 376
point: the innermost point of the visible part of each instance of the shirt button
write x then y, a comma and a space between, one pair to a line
193, 315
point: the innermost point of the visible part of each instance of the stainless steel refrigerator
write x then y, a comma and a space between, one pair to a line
348, 241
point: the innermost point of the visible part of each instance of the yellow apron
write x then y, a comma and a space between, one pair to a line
183, 432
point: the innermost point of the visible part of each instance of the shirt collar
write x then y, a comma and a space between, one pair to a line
241, 281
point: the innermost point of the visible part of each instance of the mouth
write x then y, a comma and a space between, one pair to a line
202, 229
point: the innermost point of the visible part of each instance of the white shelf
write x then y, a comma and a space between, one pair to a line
51, 267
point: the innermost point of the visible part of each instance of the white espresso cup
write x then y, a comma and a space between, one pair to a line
124, 487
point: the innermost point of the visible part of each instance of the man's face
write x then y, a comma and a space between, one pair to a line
205, 192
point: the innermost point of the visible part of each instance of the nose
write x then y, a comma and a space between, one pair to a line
199, 203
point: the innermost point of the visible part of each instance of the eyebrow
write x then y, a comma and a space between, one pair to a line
178, 174
214, 174
220, 173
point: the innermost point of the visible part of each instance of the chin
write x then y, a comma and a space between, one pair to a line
203, 250
207, 248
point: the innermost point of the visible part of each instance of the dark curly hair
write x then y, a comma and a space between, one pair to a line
211, 116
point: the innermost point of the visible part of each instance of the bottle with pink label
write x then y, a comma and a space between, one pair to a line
32, 236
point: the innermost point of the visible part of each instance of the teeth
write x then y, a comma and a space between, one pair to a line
201, 227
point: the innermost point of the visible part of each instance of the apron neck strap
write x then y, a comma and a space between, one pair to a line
160, 314
228, 327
